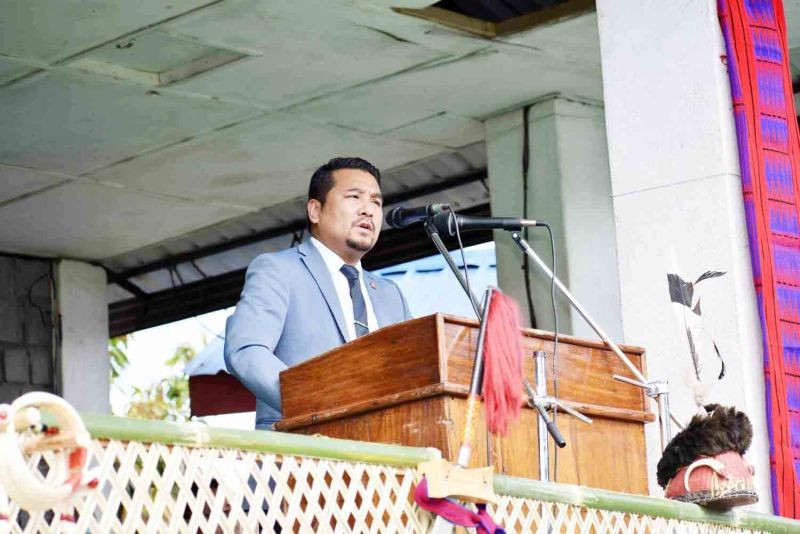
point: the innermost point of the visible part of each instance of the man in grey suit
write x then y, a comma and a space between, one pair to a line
303, 301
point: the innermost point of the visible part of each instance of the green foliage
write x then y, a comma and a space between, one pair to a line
118, 353
164, 400
183, 355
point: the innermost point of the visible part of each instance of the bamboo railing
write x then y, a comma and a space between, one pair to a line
158, 476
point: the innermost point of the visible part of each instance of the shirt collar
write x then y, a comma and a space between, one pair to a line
332, 260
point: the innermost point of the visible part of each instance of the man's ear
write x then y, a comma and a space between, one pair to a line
313, 208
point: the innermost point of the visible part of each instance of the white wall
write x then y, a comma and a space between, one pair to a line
569, 187
81, 302
678, 204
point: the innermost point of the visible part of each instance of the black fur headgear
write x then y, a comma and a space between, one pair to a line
722, 429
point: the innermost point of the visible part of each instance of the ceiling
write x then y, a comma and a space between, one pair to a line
136, 132
172, 141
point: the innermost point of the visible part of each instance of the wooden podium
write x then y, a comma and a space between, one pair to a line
407, 384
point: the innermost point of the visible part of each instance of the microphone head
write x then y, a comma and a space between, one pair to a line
393, 218
402, 217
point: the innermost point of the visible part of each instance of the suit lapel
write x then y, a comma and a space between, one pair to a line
377, 299
319, 271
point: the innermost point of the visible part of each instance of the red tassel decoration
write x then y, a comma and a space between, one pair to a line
502, 366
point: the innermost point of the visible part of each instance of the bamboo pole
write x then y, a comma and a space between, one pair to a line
199, 435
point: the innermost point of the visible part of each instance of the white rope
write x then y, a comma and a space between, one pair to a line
4, 508
70, 441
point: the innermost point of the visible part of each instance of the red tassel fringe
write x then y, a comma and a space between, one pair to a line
502, 365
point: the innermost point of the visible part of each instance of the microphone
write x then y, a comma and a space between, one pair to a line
445, 222
402, 217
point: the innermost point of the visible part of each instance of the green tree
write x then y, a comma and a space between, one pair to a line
166, 399
118, 353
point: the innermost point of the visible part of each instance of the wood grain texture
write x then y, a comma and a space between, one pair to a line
361, 407
423, 423
407, 384
389, 361
584, 368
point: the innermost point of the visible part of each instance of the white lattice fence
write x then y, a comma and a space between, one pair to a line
528, 515
162, 488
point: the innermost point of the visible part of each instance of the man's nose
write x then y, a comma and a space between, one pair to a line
364, 208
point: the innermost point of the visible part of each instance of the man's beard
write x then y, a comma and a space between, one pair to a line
359, 244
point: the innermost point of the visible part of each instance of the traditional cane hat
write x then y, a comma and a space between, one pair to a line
703, 464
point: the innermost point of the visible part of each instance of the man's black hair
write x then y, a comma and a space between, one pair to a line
322, 180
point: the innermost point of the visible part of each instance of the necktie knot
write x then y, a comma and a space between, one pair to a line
350, 272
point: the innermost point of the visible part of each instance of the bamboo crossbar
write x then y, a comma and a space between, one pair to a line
199, 435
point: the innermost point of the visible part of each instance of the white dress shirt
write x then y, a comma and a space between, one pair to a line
334, 264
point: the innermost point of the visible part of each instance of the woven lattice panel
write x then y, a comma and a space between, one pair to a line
527, 515
161, 488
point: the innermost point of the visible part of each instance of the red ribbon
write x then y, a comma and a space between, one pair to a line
455, 513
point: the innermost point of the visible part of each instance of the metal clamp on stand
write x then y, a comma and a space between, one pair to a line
543, 403
659, 391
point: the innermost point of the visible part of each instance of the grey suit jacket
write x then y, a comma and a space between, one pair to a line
289, 312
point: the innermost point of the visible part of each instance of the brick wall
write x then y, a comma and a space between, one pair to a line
26, 326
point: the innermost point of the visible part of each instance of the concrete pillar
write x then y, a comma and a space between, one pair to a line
83, 309
568, 186
678, 205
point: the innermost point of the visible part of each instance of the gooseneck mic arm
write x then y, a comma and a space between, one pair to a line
440, 219
447, 221
437, 241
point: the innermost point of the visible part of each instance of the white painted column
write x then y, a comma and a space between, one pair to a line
678, 205
83, 307
568, 186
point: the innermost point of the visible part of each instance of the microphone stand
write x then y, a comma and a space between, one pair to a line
537, 398
440, 524
433, 233
657, 389
542, 402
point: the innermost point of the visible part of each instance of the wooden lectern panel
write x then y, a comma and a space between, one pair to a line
584, 367
390, 361
407, 384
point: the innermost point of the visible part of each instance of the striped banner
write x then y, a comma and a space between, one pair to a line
767, 132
